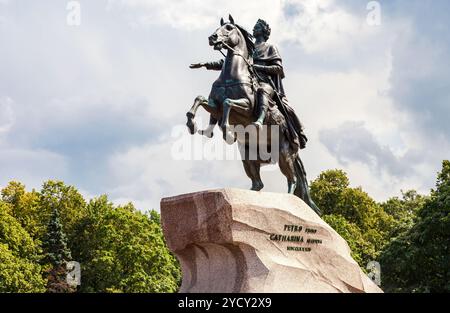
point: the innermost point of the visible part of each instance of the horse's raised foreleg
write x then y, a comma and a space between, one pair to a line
242, 104
208, 132
192, 126
201, 101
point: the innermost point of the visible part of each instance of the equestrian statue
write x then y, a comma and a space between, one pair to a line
249, 92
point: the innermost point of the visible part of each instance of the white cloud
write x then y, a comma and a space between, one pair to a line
317, 25
144, 174
7, 117
31, 167
106, 84
187, 15
322, 25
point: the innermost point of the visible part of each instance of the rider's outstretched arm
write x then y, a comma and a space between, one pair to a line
215, 66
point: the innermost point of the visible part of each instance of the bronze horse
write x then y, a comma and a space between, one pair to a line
231, 102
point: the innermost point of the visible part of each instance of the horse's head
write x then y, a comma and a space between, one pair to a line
227, 34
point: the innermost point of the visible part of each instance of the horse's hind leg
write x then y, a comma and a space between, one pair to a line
252, 169
286, 164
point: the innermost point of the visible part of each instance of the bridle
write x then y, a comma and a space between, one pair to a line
250, 65
232, 49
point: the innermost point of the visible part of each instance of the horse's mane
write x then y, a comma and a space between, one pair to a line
248, 39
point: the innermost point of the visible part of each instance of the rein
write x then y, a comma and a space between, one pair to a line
252, 69
235, 53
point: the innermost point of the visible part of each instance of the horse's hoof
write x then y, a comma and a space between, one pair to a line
206, 133
257, 186
191, 125
192, 128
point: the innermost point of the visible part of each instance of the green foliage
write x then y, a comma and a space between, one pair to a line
361, 249
327, 189
25, 208
410, 236
353, 213
19, 256
119, 248
55, 242
13, 235
418, 260
124, 251
19, 274
403, 211
70, 203
56, 255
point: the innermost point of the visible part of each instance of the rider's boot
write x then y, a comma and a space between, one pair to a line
263, 105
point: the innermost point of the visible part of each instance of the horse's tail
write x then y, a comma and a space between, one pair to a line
302, 189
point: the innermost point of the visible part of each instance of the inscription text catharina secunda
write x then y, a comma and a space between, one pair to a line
298, 237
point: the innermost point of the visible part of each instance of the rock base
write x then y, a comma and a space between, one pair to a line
233, 240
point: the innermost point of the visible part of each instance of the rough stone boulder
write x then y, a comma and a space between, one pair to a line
233, 240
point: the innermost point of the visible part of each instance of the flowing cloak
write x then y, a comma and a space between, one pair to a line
267, 55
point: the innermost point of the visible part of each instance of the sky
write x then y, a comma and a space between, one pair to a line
98, 99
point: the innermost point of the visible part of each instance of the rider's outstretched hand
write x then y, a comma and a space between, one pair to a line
196, 65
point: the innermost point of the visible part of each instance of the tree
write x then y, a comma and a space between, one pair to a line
404, 211
418, 260
353, 213
123, 251
70, 203
361, 249
120, 249
19, 256
24, 206
327, 189
56, 255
